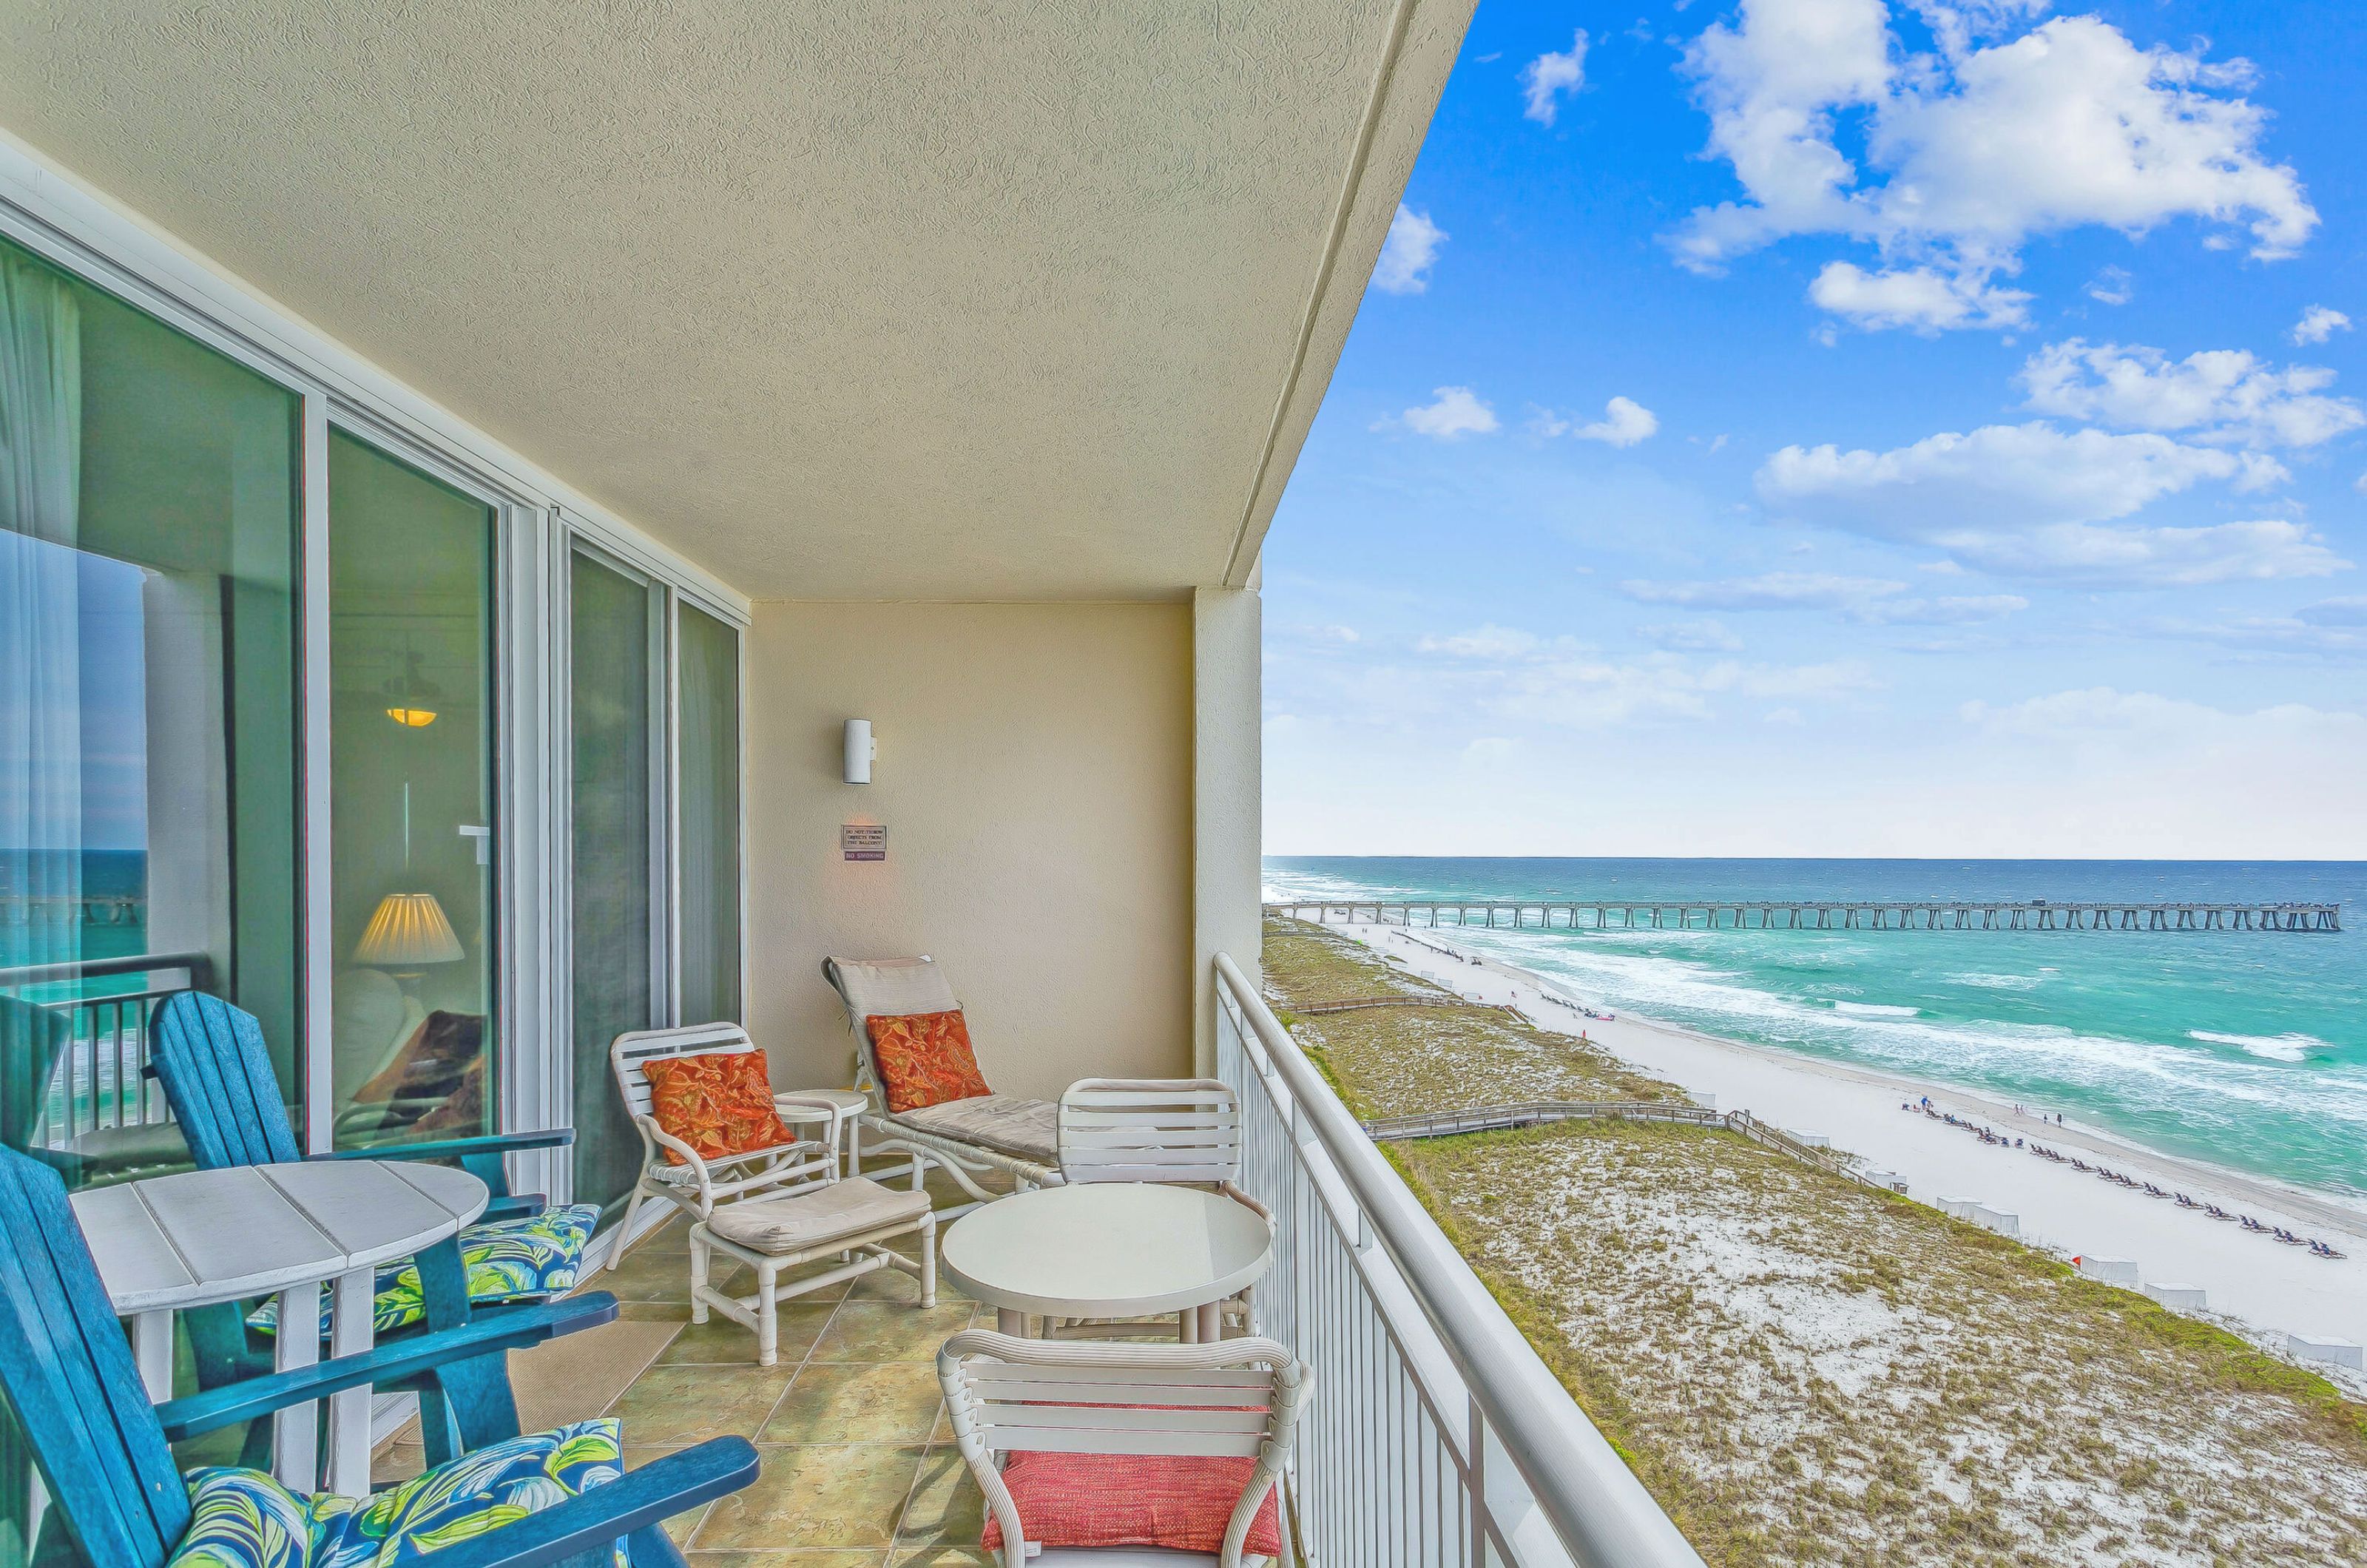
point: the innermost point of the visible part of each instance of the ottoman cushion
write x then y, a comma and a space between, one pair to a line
802, 1220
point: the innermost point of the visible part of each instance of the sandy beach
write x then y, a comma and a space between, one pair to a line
2265, 1286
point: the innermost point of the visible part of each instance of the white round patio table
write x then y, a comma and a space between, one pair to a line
204, 1236
1108, 1249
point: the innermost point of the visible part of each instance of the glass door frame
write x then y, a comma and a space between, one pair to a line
570, 537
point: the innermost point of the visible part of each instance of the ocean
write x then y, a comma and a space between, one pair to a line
2247, 1049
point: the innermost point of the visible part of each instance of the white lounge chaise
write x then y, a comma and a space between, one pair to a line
964, 1138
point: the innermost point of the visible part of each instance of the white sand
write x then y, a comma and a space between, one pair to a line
2271, 1288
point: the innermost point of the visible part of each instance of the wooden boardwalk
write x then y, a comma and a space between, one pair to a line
1823, 915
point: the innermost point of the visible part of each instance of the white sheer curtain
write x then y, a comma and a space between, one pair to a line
41, 614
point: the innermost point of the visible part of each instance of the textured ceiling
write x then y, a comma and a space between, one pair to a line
856, 300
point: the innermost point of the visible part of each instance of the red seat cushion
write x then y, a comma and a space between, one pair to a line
1182, 1503
717, 1104
925, 1059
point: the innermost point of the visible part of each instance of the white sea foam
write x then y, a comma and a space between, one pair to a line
1998, 982
2275, 1047
1876, 1010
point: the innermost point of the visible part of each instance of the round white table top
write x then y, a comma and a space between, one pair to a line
846, 1102
202, 1236
1106, 1249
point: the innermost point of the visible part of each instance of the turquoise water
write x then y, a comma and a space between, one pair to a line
2249, 1049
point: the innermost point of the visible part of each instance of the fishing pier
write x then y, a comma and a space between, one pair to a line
1822, 915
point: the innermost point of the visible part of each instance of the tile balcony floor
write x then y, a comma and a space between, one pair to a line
859, 1464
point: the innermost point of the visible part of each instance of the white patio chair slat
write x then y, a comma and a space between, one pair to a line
1006, 1416
1093, 1116
1058, 1440
1182, 1094
1187, 1382
1173, 1137
1198, 1156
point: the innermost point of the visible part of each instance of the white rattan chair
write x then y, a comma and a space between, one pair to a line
1239, 1399
696, 1186
1185, 1132
964, 1138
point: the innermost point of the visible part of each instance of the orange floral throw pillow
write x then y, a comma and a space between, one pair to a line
925, 1059
720, 1105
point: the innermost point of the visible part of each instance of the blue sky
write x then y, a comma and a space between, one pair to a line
1833, 427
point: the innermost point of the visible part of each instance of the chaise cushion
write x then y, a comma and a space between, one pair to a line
245, 1519
1025, 1129
720, 1103
799, 1221
533, 1257
1182, 1503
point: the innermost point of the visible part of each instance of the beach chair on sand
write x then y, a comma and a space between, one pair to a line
964, 1138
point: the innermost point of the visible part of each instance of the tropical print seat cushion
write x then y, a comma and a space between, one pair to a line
245, 1519
507, 1260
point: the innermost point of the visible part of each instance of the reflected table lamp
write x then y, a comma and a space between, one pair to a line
406, 933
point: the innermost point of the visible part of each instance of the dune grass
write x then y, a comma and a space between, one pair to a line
1806, 1370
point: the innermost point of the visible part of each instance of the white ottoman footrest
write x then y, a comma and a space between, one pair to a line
851, 1217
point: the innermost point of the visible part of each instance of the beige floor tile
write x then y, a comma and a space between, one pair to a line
720, 1341
884, 1331
883, 1401
895, 1285
841, 1498
671, 1405
947, 1509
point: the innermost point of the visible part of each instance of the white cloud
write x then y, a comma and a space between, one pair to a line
1546, 78
2110, 287
1624, 422
1922, 298
1407, 253
1452, 411
2318, 323
2346, 611
1768, 590
1490, 642
1969, 155
1873, 600
1692, 636
2028, 499
2221, 395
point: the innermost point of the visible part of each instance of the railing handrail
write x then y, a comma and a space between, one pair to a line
1597, 1508
98, 968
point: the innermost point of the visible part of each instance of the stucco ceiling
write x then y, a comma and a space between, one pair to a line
856, 300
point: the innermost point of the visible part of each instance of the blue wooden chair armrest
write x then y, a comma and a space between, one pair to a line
633, 1503
511, 1330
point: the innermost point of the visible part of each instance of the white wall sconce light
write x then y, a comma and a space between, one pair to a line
860, 750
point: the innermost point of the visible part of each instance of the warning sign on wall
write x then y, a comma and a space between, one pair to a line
863, 840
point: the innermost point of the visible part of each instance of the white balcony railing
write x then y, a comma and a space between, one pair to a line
1437, 1435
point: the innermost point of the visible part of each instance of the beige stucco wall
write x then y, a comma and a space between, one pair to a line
1036, 777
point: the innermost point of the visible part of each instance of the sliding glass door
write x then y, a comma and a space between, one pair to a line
412, 785
150, 512
615, 621
707, 685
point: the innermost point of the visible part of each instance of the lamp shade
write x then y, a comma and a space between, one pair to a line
407, 929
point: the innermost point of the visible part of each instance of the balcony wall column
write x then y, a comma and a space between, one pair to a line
1226, 752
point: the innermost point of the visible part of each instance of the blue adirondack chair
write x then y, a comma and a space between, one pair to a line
30, 1041
101, 1446
218, 1079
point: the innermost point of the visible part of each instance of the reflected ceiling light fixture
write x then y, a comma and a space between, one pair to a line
411, 697
860, 750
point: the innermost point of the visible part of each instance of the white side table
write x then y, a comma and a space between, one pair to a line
206, 1237
1108, 1249
846, 1104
